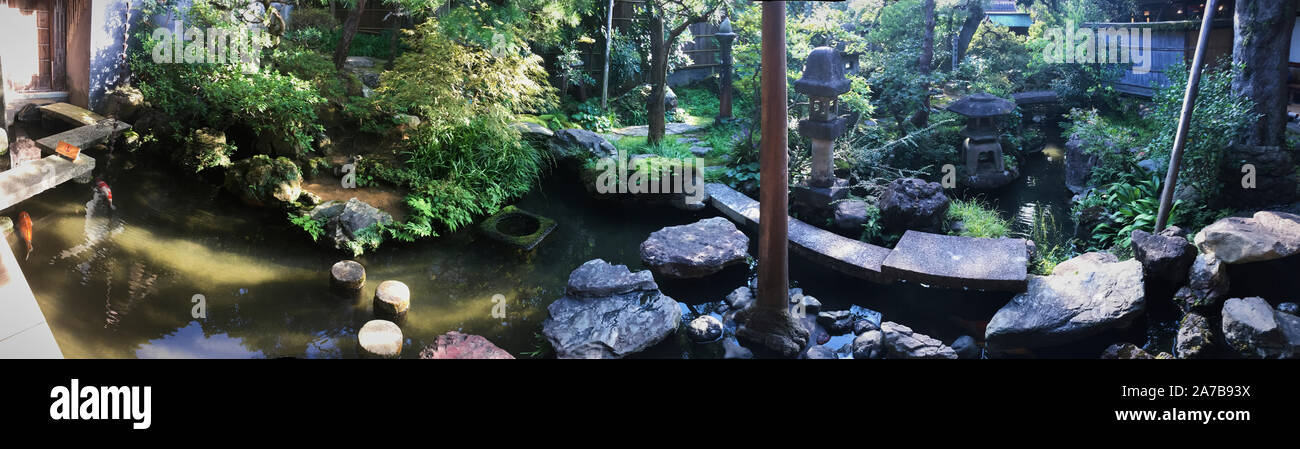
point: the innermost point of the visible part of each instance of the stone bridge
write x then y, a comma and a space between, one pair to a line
921, 257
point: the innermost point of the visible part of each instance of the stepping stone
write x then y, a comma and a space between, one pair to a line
700, 150
956, 262
31, 178
84, 137
695, 250
70, 114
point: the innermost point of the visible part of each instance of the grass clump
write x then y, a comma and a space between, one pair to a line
978, 219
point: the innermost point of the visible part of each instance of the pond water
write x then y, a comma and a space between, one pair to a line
121, 282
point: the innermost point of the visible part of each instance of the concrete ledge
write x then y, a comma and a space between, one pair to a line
956, 262
845, 255
37, 176
23, 330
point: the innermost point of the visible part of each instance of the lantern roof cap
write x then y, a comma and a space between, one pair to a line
823, 74
982, 105
724, 28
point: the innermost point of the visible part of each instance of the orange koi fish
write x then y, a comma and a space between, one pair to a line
25, 231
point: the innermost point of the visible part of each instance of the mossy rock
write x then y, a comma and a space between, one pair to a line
205, 148
265, 182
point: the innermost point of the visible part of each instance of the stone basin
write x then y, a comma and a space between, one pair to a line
517, 227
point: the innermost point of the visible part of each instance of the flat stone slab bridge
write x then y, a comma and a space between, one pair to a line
33, 177
921, 257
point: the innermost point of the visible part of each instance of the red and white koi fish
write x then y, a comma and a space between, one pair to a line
108, 193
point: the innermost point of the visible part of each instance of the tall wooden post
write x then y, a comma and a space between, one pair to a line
773, 224
769, 322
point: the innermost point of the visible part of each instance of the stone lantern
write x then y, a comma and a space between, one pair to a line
823, 82
725, 38
982, 148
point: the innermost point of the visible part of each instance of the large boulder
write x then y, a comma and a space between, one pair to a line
611, 317
1165, 256
1265, 236
573, 147
1195, 337
1251, 329
695, 250
264, 182
911, 203
902, 343
1069, 305
1207, 285
455, 345
123, 103
352, 226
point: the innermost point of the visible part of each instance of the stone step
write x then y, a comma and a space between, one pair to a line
956, 262
851, 257
31, 178
70, 114
84, 137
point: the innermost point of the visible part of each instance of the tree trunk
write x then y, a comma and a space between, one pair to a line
975, 15
349, 31
922, 115
604, 74
658, 80
1261, 42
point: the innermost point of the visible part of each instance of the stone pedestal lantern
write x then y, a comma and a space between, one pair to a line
823, 82
982, 149
725, 38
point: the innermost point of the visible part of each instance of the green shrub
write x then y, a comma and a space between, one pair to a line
219, 96
447, 80
978, 219
314, 228
456, 172
1130, 204
1109, 139
1219, 117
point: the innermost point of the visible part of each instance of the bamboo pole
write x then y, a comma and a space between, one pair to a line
1184, 120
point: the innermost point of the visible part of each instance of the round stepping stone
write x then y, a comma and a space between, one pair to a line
392, 299
380, 338
348, 275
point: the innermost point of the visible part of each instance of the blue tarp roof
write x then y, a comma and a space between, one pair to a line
1018, 19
